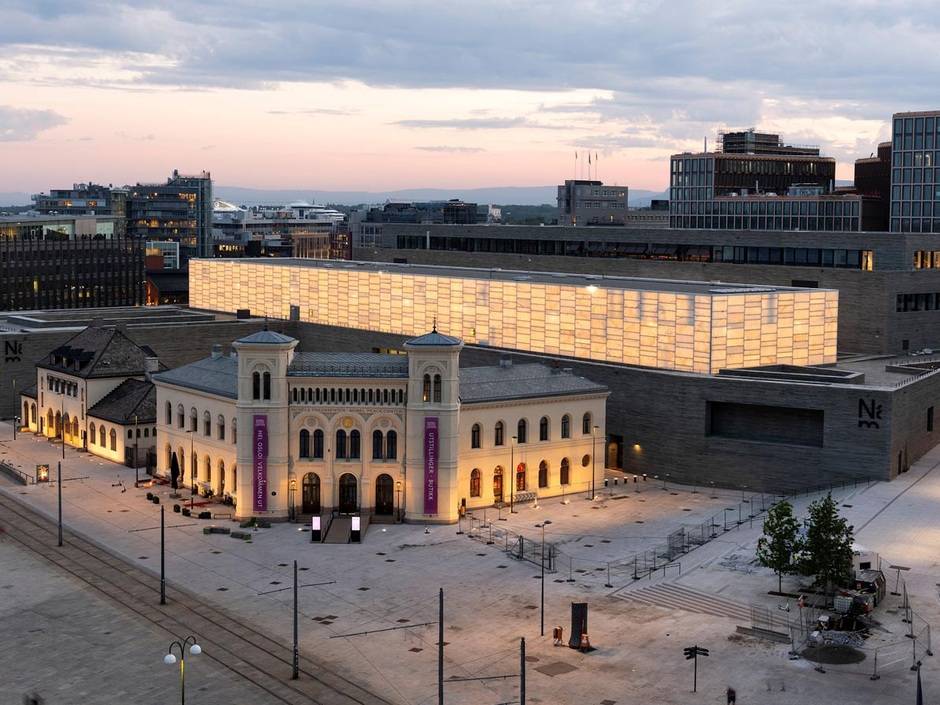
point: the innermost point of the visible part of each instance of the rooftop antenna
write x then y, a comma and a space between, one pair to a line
265, 322
434, 325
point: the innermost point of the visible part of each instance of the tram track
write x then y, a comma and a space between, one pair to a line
244, 650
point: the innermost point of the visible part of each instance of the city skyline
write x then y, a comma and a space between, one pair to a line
391, 96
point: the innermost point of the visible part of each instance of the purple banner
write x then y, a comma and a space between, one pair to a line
431, 447
259, 453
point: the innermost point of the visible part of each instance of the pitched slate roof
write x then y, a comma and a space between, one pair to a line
98, 352
496, 383
266, 337
325, 364
434, 338
215, 375
30, 392
132, 397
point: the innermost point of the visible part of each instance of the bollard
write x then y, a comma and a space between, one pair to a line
570, 578
490, 542
608, 583
914, 663
929, 649
874, 674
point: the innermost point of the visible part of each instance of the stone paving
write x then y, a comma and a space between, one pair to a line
392, 580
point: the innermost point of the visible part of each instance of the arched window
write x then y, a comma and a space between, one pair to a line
193, 419
586, 423
169, 413
376, 445
426, 393
565, 471
180, 416
266, 378
113, 438
385, 396
182, 463
521, 429
255, 385
520, 477
318, 395
347, 395
194, 462
354, 445
401, 396
305, 443
391, 445
356, 395
543, 474
221, 476
208, 469
33, 413
146, 433
318, 443
370, 396
475, 436
340, 444
101, 436
498, 433
91, 431
543, 429
130, 433
221, 427
169, 457
566, 426
437, 389
332, 395
234, 430
206, 423
475, 483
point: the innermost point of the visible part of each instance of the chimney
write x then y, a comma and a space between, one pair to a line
151, 365
216, 351
505, 362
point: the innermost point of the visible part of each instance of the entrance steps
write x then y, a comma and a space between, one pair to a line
680, 597
340, 530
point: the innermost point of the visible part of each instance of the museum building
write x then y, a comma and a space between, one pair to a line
281, 433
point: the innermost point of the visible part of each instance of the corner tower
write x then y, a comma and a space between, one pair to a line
262, 412
433, 417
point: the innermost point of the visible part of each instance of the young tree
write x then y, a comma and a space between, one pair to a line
780, 541
828, 545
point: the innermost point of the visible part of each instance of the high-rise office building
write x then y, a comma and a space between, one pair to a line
588, 202
68, 262
179, 210
915, 180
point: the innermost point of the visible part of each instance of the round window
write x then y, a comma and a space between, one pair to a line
586, 460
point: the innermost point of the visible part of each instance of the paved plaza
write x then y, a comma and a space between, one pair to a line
391, 581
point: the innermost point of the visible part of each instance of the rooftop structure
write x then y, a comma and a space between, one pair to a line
678, 325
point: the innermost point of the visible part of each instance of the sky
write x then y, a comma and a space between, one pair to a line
387, 94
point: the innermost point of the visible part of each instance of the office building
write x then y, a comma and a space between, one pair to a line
915, 180
777, 187
85, 199
873, 178
585, 202
279, 433
179, 210
452, 212
299, 229
68, 262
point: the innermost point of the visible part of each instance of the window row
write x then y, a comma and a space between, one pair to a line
144, 434
431, 389
206, 473
194, 422
521, 479
261, 386
348, 445
60, 386
929, 301
522, 430
105, 438
345, 395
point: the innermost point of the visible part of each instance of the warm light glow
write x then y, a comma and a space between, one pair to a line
699, 330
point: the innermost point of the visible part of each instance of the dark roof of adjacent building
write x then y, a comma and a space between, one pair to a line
132, 401
498, 383
169, 282
215, 375
266, 337
30, 392
434, 339
98, 352
331, 364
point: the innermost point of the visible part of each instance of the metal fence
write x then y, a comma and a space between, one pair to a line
511, 543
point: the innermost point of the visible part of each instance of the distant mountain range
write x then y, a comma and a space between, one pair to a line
497, 195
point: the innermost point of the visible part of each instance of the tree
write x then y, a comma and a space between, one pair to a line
828, 545
780, 541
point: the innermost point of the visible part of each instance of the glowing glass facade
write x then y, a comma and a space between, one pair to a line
695, 328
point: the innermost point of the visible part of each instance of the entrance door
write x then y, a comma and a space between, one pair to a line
498, 485
348, 495
384, 495
310, 503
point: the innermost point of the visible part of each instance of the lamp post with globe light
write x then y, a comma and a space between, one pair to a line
170, 659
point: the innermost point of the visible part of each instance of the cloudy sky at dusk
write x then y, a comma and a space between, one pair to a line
385, 94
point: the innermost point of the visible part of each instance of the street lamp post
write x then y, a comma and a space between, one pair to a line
593, 460
192, 470
398, 500
15, 401
162, 558
542, 561
170, 659
291, 492
136, 440
512, 474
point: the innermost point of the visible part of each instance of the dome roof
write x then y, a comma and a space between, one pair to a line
266, 337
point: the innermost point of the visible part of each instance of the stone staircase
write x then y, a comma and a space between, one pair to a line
675, 596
